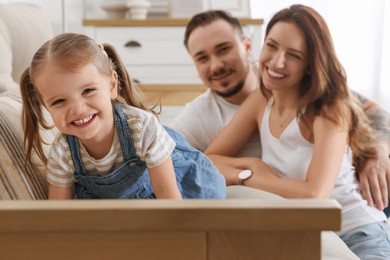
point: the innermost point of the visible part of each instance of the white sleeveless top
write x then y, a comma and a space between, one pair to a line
290, 156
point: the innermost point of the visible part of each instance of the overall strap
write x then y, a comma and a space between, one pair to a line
124, 134
75, 153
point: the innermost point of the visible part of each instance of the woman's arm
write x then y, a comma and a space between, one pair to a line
329, 146
235, 136
374, 178
60, 193
230, 167
163, 180
240, 129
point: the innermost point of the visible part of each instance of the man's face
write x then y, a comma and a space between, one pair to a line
221, 57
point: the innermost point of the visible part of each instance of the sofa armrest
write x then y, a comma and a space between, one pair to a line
166, 229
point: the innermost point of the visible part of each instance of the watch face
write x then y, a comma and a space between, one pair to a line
245, 174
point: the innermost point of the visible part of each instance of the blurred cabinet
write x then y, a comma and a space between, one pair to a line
153, 49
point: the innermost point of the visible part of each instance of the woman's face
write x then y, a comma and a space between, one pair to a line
284, 57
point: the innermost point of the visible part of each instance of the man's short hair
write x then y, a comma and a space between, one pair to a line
206, 18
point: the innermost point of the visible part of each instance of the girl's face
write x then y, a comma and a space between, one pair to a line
79, 101
284, 57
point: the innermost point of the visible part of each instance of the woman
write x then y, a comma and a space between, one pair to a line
312, 132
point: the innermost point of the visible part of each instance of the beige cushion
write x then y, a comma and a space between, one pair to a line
23, 29
16, 182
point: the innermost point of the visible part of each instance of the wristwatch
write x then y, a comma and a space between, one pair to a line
244, 175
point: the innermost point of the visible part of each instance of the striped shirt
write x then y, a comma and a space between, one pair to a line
151, 142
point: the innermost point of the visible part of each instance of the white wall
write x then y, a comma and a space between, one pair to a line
361, 32
360, 29
65, 15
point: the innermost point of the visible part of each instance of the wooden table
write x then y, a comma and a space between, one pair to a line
165, 229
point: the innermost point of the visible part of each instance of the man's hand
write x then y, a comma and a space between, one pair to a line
375, 179
375, 176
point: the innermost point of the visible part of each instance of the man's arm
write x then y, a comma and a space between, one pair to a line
374, 178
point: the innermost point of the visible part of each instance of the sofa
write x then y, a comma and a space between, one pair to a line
23, 29
25, 215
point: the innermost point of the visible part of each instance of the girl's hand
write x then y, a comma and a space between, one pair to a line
163, 180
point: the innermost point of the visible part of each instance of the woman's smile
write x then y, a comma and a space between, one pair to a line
274, 74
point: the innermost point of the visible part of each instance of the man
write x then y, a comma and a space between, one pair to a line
224, 64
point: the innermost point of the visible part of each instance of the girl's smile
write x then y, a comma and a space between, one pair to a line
84, 121
79, 101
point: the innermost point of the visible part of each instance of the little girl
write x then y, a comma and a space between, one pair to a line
111, 145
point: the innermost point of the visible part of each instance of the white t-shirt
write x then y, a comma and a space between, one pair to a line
151, 142
202, 119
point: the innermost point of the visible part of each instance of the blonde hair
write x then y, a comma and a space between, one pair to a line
70, 51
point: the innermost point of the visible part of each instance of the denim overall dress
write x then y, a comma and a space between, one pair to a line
196, 176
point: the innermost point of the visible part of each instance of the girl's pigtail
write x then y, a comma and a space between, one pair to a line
32, 119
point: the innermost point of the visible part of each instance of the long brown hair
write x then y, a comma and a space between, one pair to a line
70, 51
324, 88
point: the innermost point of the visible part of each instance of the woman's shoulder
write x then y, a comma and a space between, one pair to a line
258, 96
335, 116
256, 102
